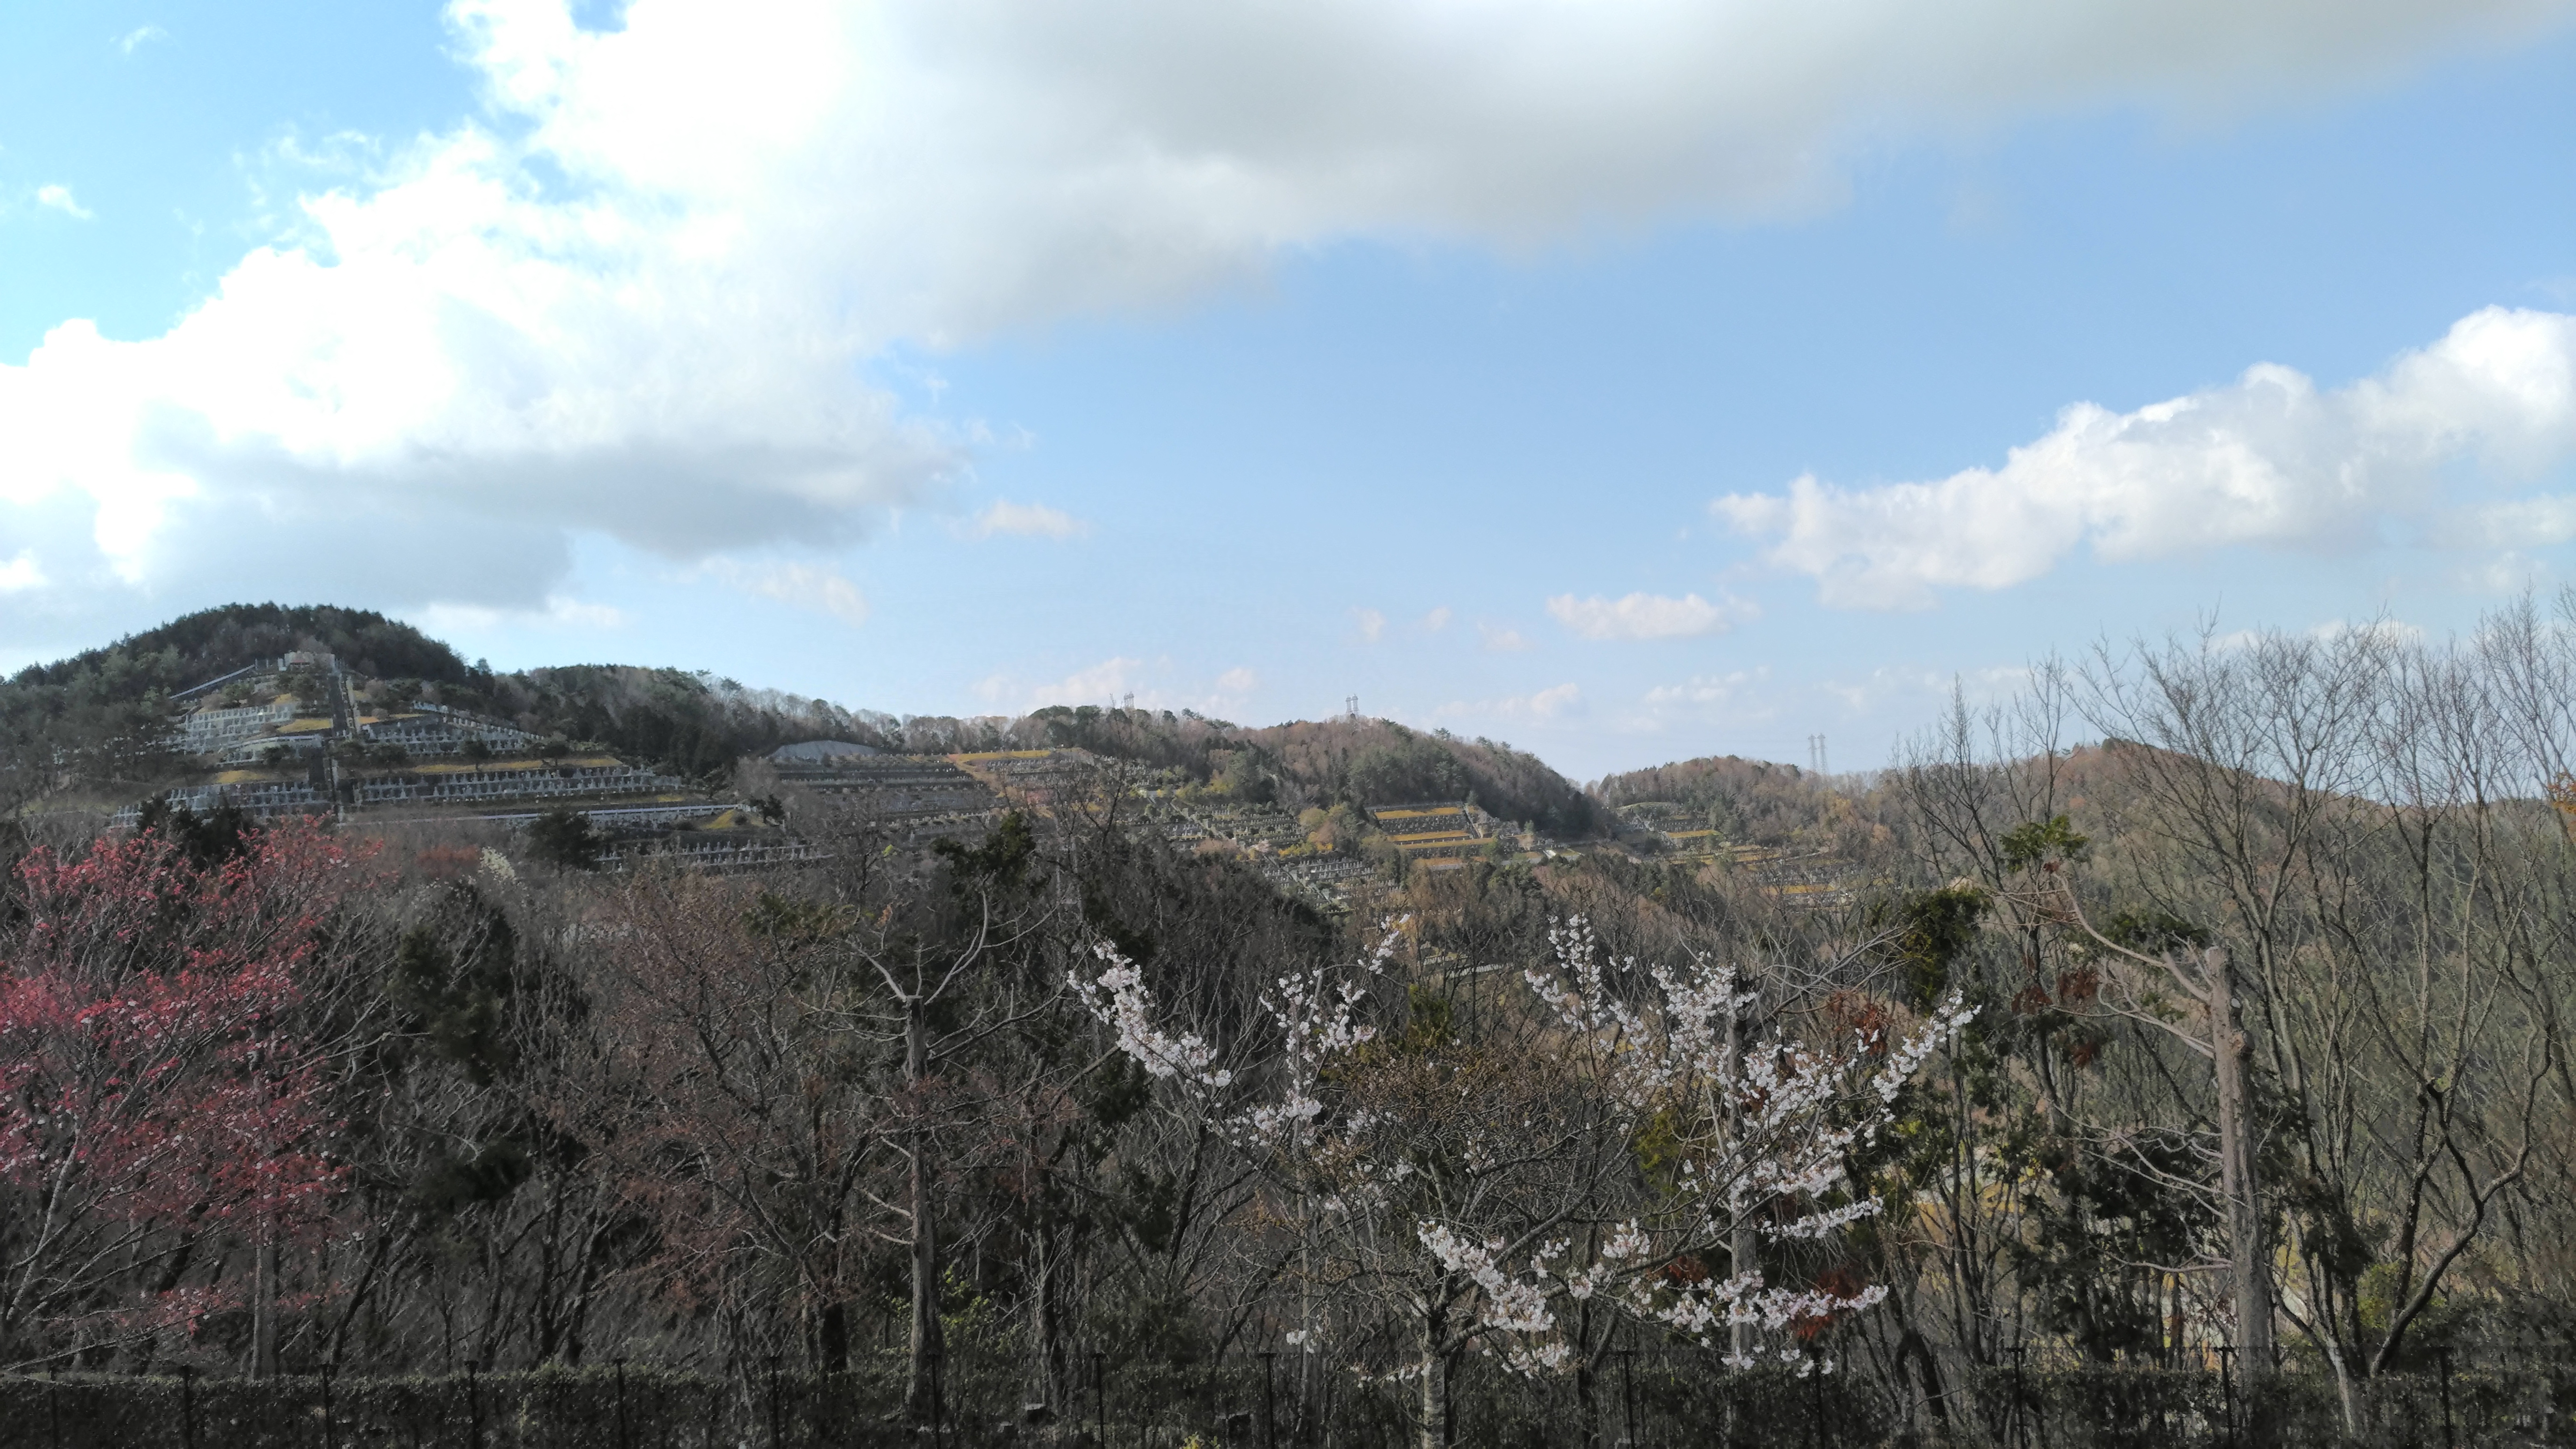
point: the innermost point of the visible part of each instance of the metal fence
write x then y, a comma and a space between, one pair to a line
1641, 1400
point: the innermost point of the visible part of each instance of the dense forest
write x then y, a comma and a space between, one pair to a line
2204, 1003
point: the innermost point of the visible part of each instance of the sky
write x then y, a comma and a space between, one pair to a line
1629, 380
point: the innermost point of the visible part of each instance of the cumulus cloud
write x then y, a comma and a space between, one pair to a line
21, 573
1501, 640
1371, 624
60, 198
1027, 520
138, 37
2270, 459
1436, 620
638, 296
1646, 616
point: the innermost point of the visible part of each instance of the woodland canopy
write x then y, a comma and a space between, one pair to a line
2209, 995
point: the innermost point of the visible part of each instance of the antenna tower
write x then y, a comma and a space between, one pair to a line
1816, 754
1351, 708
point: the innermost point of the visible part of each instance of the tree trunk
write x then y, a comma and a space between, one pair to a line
832, 1348
1045, 1329
1435, 1385
1744, 1249
2244, 1217
263, 1311
920, 1395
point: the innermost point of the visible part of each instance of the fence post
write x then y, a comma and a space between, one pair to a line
188, 1406
1269, 1402
2227, 1390
1628, 1393
1739, 1409
330, 1424
1100, 1397
939, 1392
774, 1440
621, 1404
2012, 1411
2448, 1439
474, 1403
53, 1401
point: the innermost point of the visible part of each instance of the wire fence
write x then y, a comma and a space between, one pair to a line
1639, 1400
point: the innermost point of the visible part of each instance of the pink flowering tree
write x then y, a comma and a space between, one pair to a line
1483, 1184
158, 1112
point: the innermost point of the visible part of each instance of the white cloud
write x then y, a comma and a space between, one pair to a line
1734, 701
2522, 523
557, 612
817, 587
1112, 681
1102, 684
1027, 520
2269, 459
20, 573
1436, 620
1646, 616
1706, 690
138, 37
1874, 692
1554, 702
639, 296
1501, 640
1370, 623
60, 198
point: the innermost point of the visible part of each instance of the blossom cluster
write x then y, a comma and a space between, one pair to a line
1759, 1136
1317, 1017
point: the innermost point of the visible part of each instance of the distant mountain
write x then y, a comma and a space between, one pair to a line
103, 718
1324, 762
1745, 800
102, 715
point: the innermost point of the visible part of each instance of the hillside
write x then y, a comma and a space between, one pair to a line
1316, 764
103, 718
1740, 799
102, 715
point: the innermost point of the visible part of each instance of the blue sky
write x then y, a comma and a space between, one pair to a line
1466, 357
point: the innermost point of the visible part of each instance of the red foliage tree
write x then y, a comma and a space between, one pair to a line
159, 1110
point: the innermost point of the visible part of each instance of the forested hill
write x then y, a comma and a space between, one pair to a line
103, 709
1322, 762
104, 712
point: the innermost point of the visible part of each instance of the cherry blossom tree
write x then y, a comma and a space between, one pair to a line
1486, 1188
